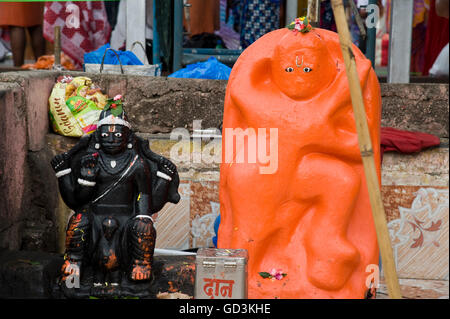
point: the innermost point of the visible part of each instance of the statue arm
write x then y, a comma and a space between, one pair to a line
86, 181
67, 191
142, 180
64, 173
76, 191
159, 194
165, 186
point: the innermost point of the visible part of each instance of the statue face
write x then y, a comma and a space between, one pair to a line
113, 138
302, 66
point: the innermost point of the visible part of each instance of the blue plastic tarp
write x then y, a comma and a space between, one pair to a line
126, 57
210, 69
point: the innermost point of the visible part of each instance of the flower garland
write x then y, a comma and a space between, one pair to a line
300, 25
115, 105
274, 274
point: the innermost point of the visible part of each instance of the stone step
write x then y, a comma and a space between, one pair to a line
34, 275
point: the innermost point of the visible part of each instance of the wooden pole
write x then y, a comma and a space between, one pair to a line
313, 12
365, 145
57, 48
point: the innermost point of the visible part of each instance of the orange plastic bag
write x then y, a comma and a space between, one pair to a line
46, 62
308, 216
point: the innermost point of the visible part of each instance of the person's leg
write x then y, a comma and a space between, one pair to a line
37, 40
18, 41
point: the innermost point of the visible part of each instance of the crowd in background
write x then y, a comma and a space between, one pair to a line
227, 24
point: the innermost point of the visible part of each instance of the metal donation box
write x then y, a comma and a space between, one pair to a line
221, 274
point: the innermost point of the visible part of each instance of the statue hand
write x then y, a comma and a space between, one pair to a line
167, 167
60, 162
89, 167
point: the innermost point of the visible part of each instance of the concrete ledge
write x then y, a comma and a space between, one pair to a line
13, 167
416, 107
159, 104
28, 274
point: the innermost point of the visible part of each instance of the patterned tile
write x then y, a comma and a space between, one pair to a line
172, 222
204, 210
419, 236
396, 196
417, 289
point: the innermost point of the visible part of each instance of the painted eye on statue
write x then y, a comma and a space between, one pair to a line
289, 69
118, 134
105, 134
307, 70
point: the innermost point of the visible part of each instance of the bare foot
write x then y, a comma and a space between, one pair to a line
141, 272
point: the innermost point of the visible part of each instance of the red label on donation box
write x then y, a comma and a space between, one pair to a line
212, 287
221, 274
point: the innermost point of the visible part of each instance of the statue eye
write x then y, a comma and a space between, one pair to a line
289, 69
307, 70
118, 135
105, 134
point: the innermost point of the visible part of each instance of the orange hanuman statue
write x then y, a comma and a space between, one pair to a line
311, 216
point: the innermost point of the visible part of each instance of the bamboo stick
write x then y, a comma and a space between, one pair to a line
57, 48
365, 145
313, 12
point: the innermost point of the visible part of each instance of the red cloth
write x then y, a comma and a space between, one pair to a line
93, 31
436, 37
406, 142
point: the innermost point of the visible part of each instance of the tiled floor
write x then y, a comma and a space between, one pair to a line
418, 289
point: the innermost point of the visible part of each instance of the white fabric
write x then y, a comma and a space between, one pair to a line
3, 50
119, 34
440, 66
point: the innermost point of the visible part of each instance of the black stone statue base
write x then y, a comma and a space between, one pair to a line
30, 274
127, 289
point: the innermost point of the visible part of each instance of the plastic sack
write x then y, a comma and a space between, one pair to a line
126, 57
75, 106
210, 69
46, 62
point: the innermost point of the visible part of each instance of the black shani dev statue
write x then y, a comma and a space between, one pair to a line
114, 183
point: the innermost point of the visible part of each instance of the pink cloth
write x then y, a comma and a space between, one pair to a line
93, 31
